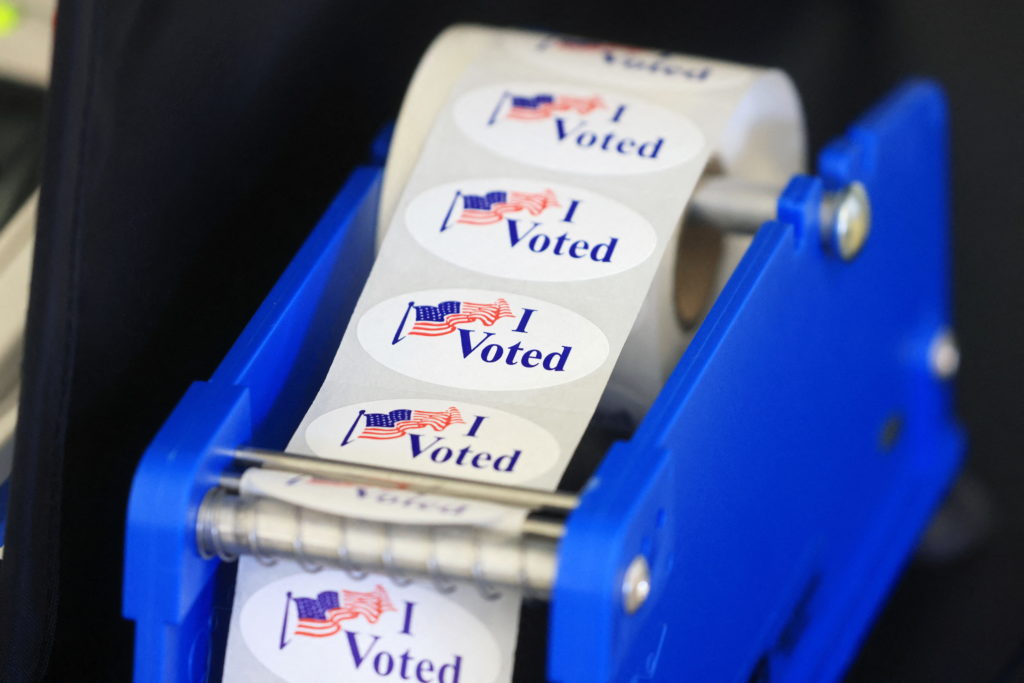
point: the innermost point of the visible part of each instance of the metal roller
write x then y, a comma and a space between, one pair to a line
229, 525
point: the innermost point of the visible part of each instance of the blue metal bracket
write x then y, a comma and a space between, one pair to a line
786, 470
775, 487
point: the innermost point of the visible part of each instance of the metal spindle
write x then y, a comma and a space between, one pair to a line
530, 499
229, 525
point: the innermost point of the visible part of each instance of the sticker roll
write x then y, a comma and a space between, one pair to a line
763, 142
528, 267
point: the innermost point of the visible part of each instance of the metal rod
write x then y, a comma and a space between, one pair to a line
733, 204
530, 499
229, 525
544, 528
541, 524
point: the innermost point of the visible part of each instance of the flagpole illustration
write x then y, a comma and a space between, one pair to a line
497, 108
353, 427
398, 333
284, 622
451, 207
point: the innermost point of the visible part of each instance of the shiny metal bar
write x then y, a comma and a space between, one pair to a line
535, 524
733, 204
544, 528
530, 499
229, 525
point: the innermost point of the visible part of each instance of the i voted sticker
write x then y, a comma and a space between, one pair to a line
579, 130
626, 64
443, 438
529, 230
375, 503
305, 625
486, 340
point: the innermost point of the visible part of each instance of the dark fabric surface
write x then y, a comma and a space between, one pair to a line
192, 144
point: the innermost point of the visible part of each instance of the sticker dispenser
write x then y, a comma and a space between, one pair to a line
748, 529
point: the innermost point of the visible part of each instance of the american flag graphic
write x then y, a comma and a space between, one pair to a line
445, 318
397, 422
542, 106
492, 207
321, 616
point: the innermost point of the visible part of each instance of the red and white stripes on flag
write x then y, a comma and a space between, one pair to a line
542, 108
468, 312
533, 202
438, 420
369, 605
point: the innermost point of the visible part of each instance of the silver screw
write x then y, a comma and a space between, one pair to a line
944, 355
636, 584
847, 221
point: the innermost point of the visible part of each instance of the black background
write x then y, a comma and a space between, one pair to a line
192, 144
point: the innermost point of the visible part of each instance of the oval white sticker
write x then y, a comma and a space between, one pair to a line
529, 230
305, 625
374, 503
444, 438
625, 64
484, 340
578, 130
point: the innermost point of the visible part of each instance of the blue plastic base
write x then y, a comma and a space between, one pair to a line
256, 397
776, 486
786, 470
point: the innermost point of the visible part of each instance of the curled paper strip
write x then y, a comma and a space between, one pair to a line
527, 272
377, 504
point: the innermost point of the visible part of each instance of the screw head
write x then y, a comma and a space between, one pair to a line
944, 355
851, 222
636, 584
